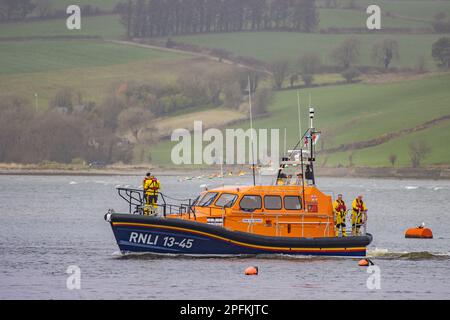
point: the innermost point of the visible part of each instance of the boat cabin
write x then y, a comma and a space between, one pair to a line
287, 210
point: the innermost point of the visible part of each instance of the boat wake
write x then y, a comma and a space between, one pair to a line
405, 255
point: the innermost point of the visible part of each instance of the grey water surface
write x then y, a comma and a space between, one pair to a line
48, 223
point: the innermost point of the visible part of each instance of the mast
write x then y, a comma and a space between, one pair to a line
311, 136
251, 130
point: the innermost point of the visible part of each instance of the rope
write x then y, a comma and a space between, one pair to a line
175, 199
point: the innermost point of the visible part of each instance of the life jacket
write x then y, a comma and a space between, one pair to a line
359, 205
341, 206
154, 184
151, 185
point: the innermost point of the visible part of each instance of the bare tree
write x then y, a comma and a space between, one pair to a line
393, 159
385, 51
233, 95
309, 63
44, 8
347, 53
134, 119
350, 159
418, 151
441, 52
263, 99
350, 74
293, 79
421, 65
279, 70
64, 99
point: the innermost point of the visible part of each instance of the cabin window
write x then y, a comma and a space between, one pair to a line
250, 203
272, 202
292, 203
226, 200
207, 199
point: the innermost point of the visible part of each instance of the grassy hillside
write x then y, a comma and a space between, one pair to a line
418, 9
48, 55
104, 26
270, 46
360, 112
92, 72
437, 138
345, 113
102, 4
345, 18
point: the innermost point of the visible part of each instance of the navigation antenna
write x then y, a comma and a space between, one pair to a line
310, 171
301, 149
251, 129
299, 117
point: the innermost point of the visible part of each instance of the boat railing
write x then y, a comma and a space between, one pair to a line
304, 223
328, 223
252, 221
137, 204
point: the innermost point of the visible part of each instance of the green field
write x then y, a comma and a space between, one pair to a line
104, 26
418, 9
437, 138
360, 112
88, 66
271, 46
48, 55
345, 18
102, 4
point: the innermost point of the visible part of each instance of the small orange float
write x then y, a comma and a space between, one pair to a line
419, 232
365, 262
251, 271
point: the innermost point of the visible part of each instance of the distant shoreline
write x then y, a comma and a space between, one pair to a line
355, 172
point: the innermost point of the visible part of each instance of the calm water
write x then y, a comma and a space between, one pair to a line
48, 223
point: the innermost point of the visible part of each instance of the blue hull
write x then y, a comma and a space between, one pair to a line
173, 236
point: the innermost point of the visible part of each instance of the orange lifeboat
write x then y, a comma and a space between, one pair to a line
419, 232
290, 215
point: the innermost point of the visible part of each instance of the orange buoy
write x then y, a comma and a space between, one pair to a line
251, 271
363, 263
419, 232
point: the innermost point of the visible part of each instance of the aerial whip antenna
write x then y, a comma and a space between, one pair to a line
251, 129
299, 117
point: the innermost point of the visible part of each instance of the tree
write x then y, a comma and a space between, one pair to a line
347, 53
263, 98
161, 18
233, 95
418, 151
293, 79
15, 9
44, 8
309, 64
242, 77
126, 16
384, 51
64, 99
307, 79
421, 65
441, 26
134, 119
279, 71
440, 16
441, 52
393, 159
350, 74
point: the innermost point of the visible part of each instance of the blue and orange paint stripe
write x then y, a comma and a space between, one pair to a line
243, 244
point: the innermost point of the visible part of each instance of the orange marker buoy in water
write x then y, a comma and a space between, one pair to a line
251, 271
419, 232
365, 262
